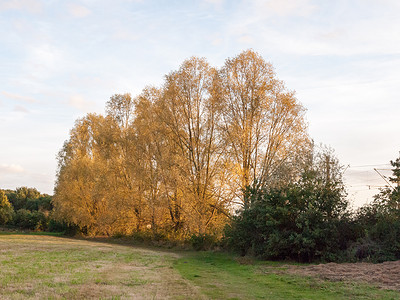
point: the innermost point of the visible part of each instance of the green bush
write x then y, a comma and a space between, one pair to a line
380, 240
202, 242
58, 226
26, 219
304, 221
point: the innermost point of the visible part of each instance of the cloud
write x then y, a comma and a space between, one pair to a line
44, 61
217, 3
19, 97
125, 35
285, 8
78, 102
32, 6
304, 27
78, 11
11, 168
20, 108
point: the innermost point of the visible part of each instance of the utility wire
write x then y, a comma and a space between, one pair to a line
364, 166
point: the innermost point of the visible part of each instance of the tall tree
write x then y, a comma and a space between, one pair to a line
87, 176
152, 148
263, 122
191, 112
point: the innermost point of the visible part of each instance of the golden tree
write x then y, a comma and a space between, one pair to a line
174, 158
191, 112
263, 123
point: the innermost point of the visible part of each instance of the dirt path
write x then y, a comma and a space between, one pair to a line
385, 275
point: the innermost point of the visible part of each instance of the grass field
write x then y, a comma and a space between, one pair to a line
50, 267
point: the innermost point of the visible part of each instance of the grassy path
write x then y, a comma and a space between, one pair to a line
221, 276
48, 267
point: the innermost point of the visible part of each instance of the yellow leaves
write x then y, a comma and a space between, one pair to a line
179, 155
4, 203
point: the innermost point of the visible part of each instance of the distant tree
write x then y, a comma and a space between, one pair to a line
389, 197
6, 209
380, 222
20, 197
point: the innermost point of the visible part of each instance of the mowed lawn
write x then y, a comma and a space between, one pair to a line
49, 267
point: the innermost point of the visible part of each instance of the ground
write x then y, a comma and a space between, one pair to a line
385, 275
42, 267
48, 267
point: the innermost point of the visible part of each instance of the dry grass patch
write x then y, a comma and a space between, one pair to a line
43, 267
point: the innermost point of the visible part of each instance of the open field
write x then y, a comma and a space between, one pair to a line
49, 267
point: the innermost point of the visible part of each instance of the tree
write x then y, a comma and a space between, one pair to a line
263, 123
20, 197
154, 163
6, 209
191, 113
87, 177
380, 221
173, 158
389, 197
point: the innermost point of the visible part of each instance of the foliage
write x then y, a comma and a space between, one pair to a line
174, 159
57, 226
25, 219
263, 123
6, 209
380, 221
303, 220
28, 209
378, 224
203, 242
21, 196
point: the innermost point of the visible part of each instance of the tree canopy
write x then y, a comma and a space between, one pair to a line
177, 158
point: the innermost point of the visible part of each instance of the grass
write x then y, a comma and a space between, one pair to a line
50, 267
11, 232
221, 276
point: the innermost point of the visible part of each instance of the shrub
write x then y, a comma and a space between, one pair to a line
300, 221
26, 219
59, 226
203, 242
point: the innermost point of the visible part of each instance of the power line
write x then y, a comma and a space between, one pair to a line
384, 178
364, 166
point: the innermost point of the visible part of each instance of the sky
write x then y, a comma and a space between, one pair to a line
60, 60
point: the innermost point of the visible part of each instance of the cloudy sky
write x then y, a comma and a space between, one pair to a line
62, 59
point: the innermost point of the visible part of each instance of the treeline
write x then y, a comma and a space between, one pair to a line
27, 208
175, 160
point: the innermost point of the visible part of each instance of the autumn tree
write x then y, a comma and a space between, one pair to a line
6, 209
262, 121
152, 150
191, 112
86, 176
174, 158
121, 108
